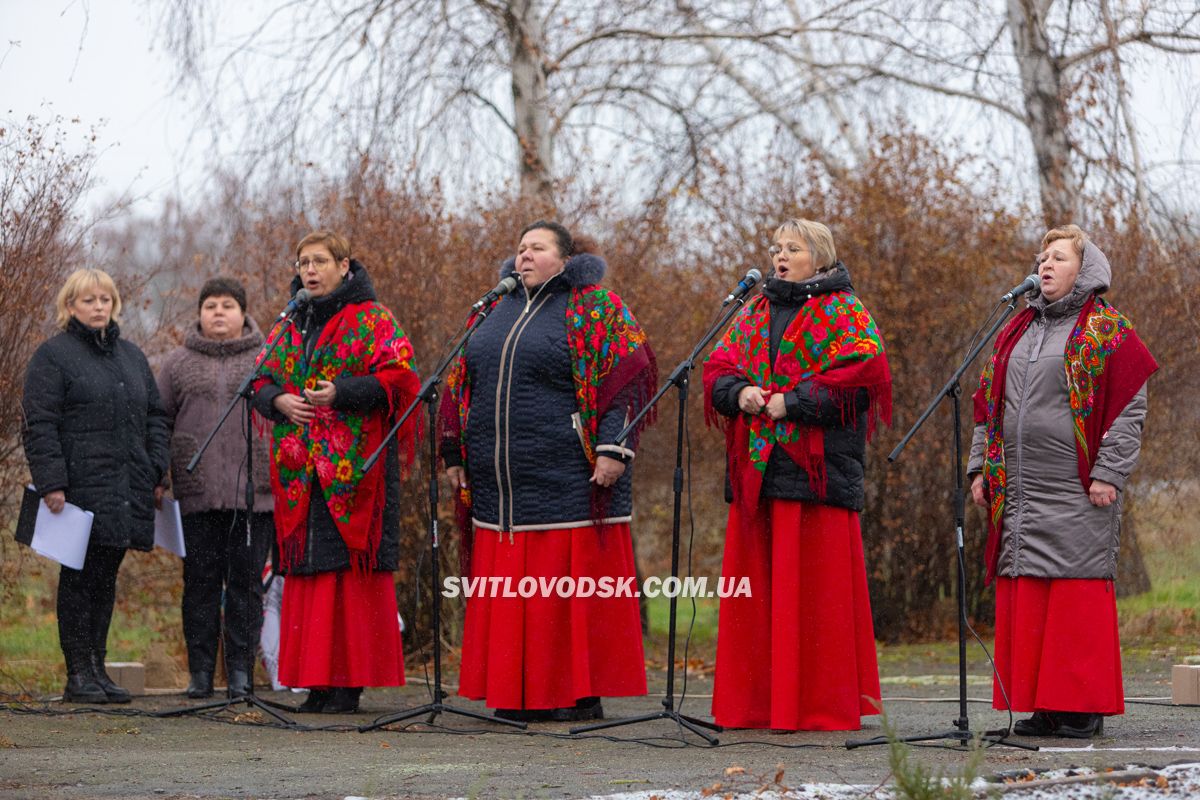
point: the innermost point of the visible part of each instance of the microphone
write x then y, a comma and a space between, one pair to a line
1030, 284
744, 286
502, 288
301, 299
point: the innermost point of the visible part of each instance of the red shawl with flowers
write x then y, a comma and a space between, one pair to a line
832, 342
361, 339
610, 357
1106, 365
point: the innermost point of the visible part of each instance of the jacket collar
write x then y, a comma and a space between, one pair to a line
584, 269
250, 339
796, 293
102, 341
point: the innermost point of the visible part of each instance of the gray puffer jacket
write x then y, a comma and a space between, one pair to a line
1051, 529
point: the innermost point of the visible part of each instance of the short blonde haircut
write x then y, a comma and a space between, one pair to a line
1073, 232
818, 237
335, 243
78, 282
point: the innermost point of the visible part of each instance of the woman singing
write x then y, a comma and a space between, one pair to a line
1058, 426
332, 387
532, 414
798, 383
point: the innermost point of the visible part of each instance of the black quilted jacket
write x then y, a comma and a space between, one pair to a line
525, 458
94, 427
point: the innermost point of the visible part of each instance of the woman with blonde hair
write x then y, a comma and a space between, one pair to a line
797, 383
1058, 425
96, 436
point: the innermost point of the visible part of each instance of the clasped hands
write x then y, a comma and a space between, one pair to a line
302, 410
757, 400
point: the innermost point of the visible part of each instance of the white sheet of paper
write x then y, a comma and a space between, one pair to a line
168, 527
64, 536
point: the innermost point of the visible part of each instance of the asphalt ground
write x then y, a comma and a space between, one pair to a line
49, 749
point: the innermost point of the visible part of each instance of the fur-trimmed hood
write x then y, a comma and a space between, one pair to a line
583, 269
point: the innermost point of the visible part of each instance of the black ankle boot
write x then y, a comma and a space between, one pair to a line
1042, 723
1079, 725
81, 681
200, 685
238, 683
344, 700
315, 702
115, 693
585, 708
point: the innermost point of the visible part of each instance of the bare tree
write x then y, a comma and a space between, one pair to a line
1050, 68
44, 173
445, 84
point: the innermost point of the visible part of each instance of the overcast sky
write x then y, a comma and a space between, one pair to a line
95, 61
99, 62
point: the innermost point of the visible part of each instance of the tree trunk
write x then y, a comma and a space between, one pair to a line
531, 106
1045, 110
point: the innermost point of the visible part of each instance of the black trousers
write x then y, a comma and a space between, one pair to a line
85, 600
218, 561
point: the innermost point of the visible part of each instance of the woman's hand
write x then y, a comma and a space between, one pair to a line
323, 395
457, 477
55, 501
977, 492
1102, 494
158, 496
777, 406
752, 399
294, 408
608, 470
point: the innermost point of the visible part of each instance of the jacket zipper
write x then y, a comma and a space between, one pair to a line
504, 391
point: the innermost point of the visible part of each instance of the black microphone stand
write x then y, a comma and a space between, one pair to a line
243, 393
679, 378
429, 395
961, 732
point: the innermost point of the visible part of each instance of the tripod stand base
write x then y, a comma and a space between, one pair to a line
962, 737
221, 705
433, 709
694, 725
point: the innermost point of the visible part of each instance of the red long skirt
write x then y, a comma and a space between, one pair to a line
800, 653
340, 629
1057, 645
547, 652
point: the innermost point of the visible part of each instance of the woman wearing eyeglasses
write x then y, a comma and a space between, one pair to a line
798, 383
532, 412
332, 386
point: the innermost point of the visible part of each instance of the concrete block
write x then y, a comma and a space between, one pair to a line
129, 675
1185, 685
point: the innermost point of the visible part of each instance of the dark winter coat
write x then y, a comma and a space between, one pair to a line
845, 434
525, 457
196, 384
94, 428
325, 551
